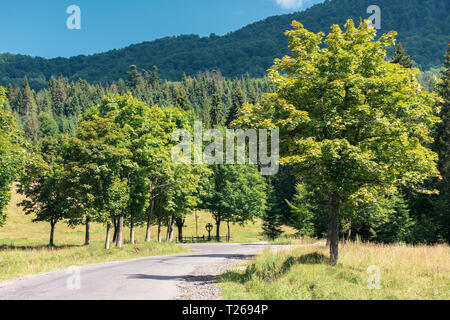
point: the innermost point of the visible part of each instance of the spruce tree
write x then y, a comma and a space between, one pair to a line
182, 100
29, 111
237, 102
401, 57
216, 110
272, 219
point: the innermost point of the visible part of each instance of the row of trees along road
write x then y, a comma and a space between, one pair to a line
118, 170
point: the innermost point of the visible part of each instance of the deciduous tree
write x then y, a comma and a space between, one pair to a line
353, 123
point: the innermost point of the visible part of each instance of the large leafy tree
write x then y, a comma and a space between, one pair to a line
12, 154
124, 163
186, 192
351, 122
234, 193
96, 158
43, 187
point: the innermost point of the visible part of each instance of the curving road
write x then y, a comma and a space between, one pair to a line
152, 278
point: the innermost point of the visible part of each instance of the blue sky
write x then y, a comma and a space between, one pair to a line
38, 28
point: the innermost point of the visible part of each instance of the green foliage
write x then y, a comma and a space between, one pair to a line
430, 79
385, 220
56, 109
234, 193
348, 119
443, 149
42, 184
48, 125
12, 154
401, 58
304, 206
351, 123
272, 220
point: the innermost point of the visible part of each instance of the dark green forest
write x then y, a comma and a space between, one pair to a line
423, 27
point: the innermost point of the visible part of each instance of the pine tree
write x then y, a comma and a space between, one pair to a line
401, 57
216, 110
29, 109
237, 102
134, 78
182, 100
272, 219
206, 112
154, 78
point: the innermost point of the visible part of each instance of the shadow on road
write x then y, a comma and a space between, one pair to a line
205, 278
220, 255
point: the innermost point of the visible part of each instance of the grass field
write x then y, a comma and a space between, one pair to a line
405, 272
24, 250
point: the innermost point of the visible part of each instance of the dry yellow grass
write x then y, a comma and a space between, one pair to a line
406, 272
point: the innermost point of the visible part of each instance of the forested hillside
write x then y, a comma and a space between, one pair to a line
423, 27
57, 107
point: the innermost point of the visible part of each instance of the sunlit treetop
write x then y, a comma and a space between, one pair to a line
352, 121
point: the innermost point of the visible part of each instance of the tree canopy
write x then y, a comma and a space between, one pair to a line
353, 123
12, 154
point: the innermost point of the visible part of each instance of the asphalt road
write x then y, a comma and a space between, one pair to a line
152, 278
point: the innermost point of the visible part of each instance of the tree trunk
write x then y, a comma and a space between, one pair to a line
349, 232
52, 233
119, 232
168, 231
132, 230
149, 220
334, 228
329, 220
108, 235
218, 229
196, 223
180, 234
115, 230
180, 224
159, 230
228, 235
87, 236
170, 226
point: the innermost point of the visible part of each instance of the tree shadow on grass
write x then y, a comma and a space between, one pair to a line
272, 271
6, 247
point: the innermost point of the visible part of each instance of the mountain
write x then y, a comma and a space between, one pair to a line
423, 27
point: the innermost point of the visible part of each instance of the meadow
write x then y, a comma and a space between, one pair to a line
365, 272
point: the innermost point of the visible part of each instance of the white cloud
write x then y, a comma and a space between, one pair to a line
291, 4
